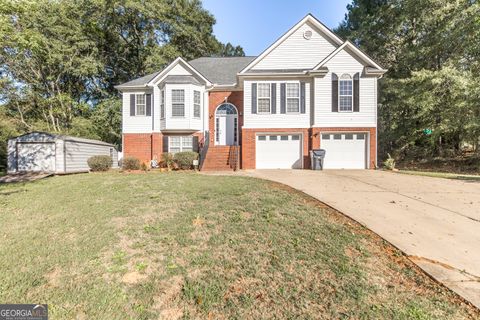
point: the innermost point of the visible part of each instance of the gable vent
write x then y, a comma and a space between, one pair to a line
307, 34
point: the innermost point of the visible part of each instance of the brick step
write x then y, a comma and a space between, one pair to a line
217, 169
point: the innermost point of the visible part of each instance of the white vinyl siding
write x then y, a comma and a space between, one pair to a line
277, 119
178, 103
344, 63
134, 124
296, 52
263, 97
293, 97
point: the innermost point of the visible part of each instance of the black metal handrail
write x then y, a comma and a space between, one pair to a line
204, 143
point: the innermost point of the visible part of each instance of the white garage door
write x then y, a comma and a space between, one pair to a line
279, 151
36, 156
344, 150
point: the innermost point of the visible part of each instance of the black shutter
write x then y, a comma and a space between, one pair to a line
132, 105
165, 144
148, 97
273, 96
254, 98
302, 97
356, 92
195, 144
334, 92
282, 98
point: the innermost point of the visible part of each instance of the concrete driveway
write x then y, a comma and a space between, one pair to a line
435, 221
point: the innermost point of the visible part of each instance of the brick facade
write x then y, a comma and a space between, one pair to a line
143, 146
216, 98
372, 132
249, 143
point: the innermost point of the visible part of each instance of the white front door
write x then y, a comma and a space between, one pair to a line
226, 133
345, 150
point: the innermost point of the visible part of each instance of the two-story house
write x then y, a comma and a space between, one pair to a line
308, 90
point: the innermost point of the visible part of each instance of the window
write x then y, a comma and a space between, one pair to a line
140, 104
217, 132
325, 136
283, 138
196, 104
295, 137
263, 98
273, 137
180, 143
337, 137
360, 136
348, 136
293, 97
345, 101
187, 143
162, 104
262, 138
178, 103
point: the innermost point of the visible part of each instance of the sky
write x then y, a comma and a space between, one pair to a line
256, 24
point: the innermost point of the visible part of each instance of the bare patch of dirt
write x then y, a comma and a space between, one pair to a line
53, 277
133, 277
166, 301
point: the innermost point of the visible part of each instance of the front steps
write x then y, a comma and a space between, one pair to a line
221, 158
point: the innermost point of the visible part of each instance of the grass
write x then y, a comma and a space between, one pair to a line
444, 175
189, 246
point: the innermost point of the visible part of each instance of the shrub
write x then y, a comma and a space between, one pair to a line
167, 160
185, 159
143, 166
130, 163
100, 163
389, 164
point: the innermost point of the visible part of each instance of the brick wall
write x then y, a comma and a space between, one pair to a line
316, 132
248, 145
143, 146
146, 146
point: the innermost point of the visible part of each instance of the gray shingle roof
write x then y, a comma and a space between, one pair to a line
221, 70
181, 79
140, 81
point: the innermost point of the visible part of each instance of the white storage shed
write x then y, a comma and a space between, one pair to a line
46, 152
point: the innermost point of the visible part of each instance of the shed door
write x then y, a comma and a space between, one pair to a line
344, 150
36, 156
278, 151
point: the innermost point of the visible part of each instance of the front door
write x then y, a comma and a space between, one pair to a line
226, 133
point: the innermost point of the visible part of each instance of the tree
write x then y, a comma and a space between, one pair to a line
431, 49
60, 59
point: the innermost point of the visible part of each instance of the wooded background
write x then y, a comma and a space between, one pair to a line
60, 61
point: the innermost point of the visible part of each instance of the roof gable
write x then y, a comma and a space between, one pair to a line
179, 67
352, 50
306, 52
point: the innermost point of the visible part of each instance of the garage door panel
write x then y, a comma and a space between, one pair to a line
344, 150
279, 151
36, 157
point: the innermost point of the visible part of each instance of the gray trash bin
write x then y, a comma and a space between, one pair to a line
317, 156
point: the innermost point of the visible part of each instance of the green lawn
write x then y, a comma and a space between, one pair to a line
186, 245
